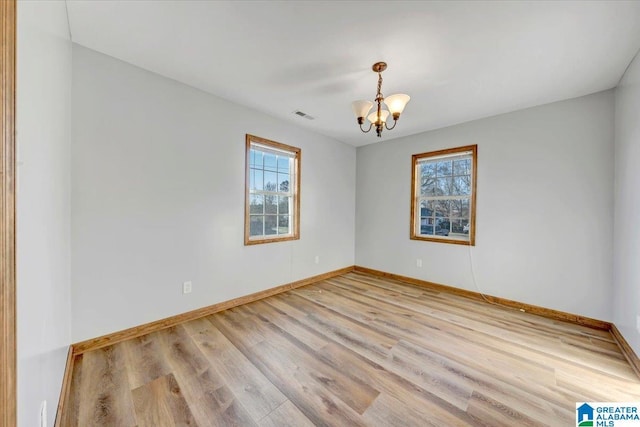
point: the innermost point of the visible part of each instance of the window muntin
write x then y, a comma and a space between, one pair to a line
443, 195
272, 202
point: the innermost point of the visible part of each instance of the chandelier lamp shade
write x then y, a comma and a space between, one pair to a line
394, 106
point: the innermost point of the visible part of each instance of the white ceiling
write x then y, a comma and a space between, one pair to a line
458, 61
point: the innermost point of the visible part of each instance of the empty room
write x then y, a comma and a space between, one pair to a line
299, 213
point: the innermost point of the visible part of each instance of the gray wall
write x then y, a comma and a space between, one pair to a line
43, 206
544, 207
158, 199
626, 256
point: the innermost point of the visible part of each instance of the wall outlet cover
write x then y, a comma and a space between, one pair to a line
186, 287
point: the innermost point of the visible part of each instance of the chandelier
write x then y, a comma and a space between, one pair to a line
395, 105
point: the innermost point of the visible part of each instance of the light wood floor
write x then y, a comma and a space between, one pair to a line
351, 351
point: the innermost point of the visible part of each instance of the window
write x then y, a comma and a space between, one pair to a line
443, 195
272, 192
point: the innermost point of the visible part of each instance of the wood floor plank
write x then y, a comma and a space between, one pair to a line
391, 411
286, 414
421, 364
210, 399
219, 406
613, 365
285, 322
454, 392
440, 409
144, 351
105, 397
499, 414
356, 394
381, 379
343, 328
353, 350
452, 307
160, 402
259, 396
391, 384
413, 327
306, 392
446, 302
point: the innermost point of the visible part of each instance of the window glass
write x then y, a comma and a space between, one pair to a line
443, 195
272, 191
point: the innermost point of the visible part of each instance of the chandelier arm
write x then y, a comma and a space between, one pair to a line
366, 131
395, 122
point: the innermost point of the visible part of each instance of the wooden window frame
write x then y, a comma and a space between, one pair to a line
415, 199
295, 193
8, 378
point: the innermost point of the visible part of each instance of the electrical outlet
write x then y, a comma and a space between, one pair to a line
317, 259
186, 288
638, 323
43, 414
419, 263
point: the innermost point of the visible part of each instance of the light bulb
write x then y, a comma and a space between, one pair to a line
396, 103
373, 117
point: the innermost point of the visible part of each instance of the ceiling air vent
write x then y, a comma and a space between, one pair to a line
301, 114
